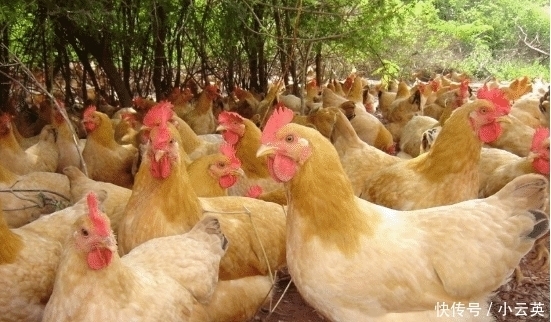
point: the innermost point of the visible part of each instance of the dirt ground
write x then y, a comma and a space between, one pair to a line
518, 299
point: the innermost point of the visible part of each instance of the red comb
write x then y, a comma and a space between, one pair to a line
89, 111
496, 96
434, 85
160, 113
464, 88
540, 135
280, 117
101, 226
313, 83
226, 118
229, 151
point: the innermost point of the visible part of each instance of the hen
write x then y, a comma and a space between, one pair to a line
448, 173
359, 159
114, 203
211, 175
201, 118
106, 160
245, 136
165, 279
366, 125
28, 260
69, 147
162, 195
338, 245
26, 197
43, 156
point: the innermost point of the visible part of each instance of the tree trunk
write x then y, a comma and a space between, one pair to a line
159, 61
5, 82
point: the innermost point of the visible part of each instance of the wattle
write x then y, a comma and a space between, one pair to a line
230, 137
281, 168
490, 132
227, 181
541, 166
99, 258
160, 169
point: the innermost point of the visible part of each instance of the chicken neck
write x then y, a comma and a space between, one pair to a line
11, 242
246, 148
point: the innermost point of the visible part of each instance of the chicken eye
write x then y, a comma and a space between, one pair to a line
172, 141
221, 164
289, 138
84, 232
483, 110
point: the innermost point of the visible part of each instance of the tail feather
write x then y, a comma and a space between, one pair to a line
541, 226
211, 225
529, 191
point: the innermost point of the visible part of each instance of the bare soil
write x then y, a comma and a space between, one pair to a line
519, 299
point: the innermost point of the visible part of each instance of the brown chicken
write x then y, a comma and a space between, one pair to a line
29, 257
448, 173
43, 156
201, 118
70, 147
211, 175
163, 203
25, 198
245, 136
117, 196
359, 159
106, 160
165, 279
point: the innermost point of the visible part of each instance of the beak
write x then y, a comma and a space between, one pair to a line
159, 154
504, 119
220, 128
239, 172
265, 150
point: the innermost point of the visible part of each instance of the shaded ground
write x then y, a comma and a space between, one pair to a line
534, 290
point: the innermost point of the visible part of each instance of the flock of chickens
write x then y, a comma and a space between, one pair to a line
381, 201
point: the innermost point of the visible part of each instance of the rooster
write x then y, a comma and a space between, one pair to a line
449, 172
338, 245
166, 279
105, 159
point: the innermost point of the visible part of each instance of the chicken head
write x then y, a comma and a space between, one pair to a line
226, 166
231, 125
491, 108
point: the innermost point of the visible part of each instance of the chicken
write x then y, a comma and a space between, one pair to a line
211, 175
516, 137
28, 261
245, 136
114, 203
356, 261
412, 134
366, 125
404, 108
26, 197
165, 279
195, 145
127, 130
201, 118
43, 156
247, 104
322, 119
448, 173
448, 99
387, 97
70, 147
264, 107
498, 167
359, 159
526, 109
106, 160
162, 203
181, 101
